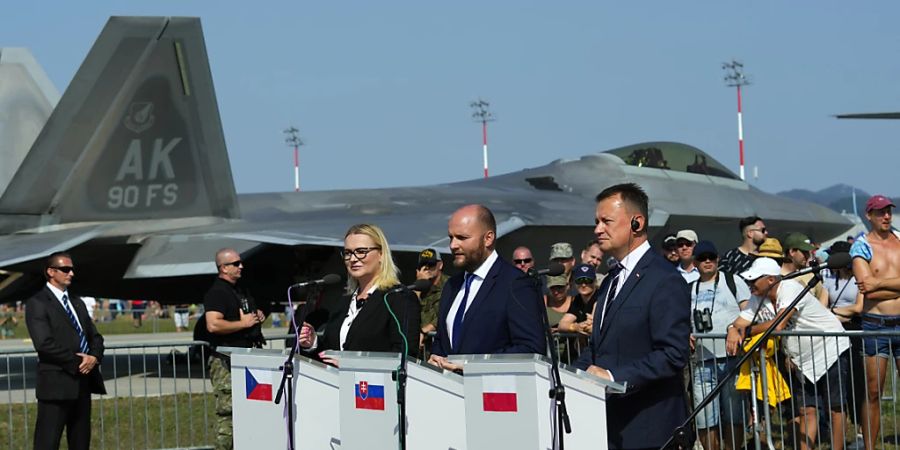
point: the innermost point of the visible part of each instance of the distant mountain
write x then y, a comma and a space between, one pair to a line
838, 197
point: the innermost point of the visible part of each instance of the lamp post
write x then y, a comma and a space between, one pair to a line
483, 115
292, 139
734, 77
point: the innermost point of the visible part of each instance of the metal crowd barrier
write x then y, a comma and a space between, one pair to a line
159, 397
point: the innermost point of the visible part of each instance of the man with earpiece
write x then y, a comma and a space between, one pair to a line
641, 331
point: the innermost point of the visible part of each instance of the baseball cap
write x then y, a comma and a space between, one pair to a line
669, 241
428, 256
798, 241
878, 202
761, 267
584, 271
770, 248
559, 280
562, 250
839, 247
705, 247
687, 234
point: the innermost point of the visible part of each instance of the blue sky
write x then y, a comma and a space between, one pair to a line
380, 90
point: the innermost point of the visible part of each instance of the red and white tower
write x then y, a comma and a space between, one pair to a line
734, 77
483, 115
293, 140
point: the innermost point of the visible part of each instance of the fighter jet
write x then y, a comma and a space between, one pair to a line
884, 115
131, 175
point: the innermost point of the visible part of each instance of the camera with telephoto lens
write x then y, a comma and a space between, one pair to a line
703, 320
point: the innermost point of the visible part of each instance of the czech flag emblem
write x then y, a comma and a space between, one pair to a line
499, 394
257, 390
369, 396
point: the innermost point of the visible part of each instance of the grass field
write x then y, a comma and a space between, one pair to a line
169, 421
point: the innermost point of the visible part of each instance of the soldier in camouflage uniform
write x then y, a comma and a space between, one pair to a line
234, 321
430, 267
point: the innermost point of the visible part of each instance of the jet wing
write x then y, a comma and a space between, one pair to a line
18, 248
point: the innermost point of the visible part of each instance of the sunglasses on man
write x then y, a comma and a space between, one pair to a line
523, 261
64, 269
237, 263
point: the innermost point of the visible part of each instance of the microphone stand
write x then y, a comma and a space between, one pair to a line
679, 438
287, 375
557, 390
399, 376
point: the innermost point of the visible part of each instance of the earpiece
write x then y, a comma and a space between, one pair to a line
635, 225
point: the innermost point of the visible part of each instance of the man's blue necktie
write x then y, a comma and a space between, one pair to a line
461, 312
82, 344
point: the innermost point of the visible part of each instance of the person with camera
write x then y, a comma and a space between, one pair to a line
232, 320
716, 299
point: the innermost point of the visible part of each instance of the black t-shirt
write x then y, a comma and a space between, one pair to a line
226, 298
580, 309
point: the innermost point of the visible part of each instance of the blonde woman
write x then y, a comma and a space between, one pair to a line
362, 321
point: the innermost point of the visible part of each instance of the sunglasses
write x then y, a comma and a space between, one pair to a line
64, 269
684, 244
584, 281
523, 261
237, 263
762, 230
706, 257
557, 288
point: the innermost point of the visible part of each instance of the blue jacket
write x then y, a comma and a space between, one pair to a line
504, 317
644, 343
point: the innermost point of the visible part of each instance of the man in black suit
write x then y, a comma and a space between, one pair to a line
641, 326
69, 351
491, 307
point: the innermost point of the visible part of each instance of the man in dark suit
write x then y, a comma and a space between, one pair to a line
641, 327
69, 351
491, 307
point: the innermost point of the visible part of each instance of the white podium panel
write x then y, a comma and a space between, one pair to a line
507, 401
435, 408
368, 400
586, 404
317, 414
258, 421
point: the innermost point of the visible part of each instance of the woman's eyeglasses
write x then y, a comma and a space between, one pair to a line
359, 253
589, 281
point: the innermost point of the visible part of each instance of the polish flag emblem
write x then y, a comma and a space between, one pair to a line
499, 394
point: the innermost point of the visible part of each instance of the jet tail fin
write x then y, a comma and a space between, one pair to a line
27, 97
135, 136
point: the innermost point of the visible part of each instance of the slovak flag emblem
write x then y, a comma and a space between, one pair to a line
367, 395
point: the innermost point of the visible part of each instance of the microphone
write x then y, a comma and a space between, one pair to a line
835, 261
552, 270
419, 285
327, 280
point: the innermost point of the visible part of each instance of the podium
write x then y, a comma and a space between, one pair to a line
367, 400
258, 421
586, 403
261, 423
435, 408
508, 405
316, 411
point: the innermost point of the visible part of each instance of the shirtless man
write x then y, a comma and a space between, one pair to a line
876, 266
